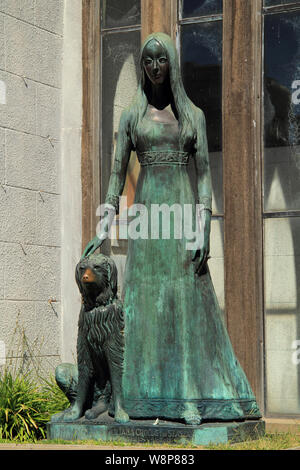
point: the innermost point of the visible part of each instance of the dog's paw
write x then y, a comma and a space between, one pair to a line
96, 411
72, 414
57, 417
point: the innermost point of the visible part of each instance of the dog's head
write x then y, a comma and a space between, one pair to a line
96, 277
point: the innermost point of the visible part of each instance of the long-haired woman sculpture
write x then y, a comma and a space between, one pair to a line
179, 363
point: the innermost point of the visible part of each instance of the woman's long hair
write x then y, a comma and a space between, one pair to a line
184, 106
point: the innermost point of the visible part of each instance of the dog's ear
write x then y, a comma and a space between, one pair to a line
108, 266
112, 276
77, 277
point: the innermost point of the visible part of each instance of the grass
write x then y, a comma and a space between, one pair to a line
271, 441
109, 444
116, 443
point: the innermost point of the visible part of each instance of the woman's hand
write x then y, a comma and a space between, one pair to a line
97, 241
92, 246
201, 255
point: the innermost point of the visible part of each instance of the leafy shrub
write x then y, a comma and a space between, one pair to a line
26, 407
56, 399
22, 408
27, 398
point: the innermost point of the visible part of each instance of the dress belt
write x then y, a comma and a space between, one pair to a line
163, 157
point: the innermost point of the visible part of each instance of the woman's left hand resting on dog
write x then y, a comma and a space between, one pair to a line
97, 241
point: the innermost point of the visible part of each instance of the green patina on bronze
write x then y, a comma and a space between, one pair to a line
179, 363
95, 383
144, 432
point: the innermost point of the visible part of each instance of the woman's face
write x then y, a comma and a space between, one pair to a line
155, 62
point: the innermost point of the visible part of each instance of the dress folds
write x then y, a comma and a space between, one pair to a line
177, 349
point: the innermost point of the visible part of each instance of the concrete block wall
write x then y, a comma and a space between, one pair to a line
31, 67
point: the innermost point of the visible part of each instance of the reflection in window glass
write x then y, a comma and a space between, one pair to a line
216, 262
192, 8
120, 69
116, 13
282, 112
282, 314
201, 68
268, 3
201, 64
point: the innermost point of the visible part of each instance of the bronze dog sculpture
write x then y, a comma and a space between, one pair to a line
100, 345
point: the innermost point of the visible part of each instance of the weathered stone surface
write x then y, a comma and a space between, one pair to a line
29, 216
2, 252
48, 111
19, 112
35, 276
48, 230
40, 322
17, 215
32, 52
22, 9
2, 42
2, 156
47, 326
41, 170
17, 317
31, 72
49, 15
165, 432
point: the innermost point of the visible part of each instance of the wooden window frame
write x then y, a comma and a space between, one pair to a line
242, 159
242, 151
90, 149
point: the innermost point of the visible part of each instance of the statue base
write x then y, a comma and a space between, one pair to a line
142, 431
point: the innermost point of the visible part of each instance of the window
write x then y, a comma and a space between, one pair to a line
120, 48
201, 67
281, 204
200, 8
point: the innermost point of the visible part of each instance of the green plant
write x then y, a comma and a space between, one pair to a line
27, 398
56, 399
26, 407
22, 408
271, 441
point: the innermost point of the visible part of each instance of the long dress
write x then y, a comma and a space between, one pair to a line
177, 350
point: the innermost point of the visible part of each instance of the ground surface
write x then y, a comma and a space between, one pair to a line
79, 447
272, 441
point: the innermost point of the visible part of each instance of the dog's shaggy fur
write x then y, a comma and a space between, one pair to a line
100, 342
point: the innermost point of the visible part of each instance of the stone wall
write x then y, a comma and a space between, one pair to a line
31, 164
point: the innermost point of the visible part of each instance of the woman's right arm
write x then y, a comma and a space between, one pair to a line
204, 189
116, 183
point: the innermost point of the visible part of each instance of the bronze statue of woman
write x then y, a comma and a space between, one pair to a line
179, 363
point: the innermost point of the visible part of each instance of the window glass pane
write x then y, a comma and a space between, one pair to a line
115, 13
201, 65
120, 56
282, 112
216, 262
268, 3
192, 8
282, 314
